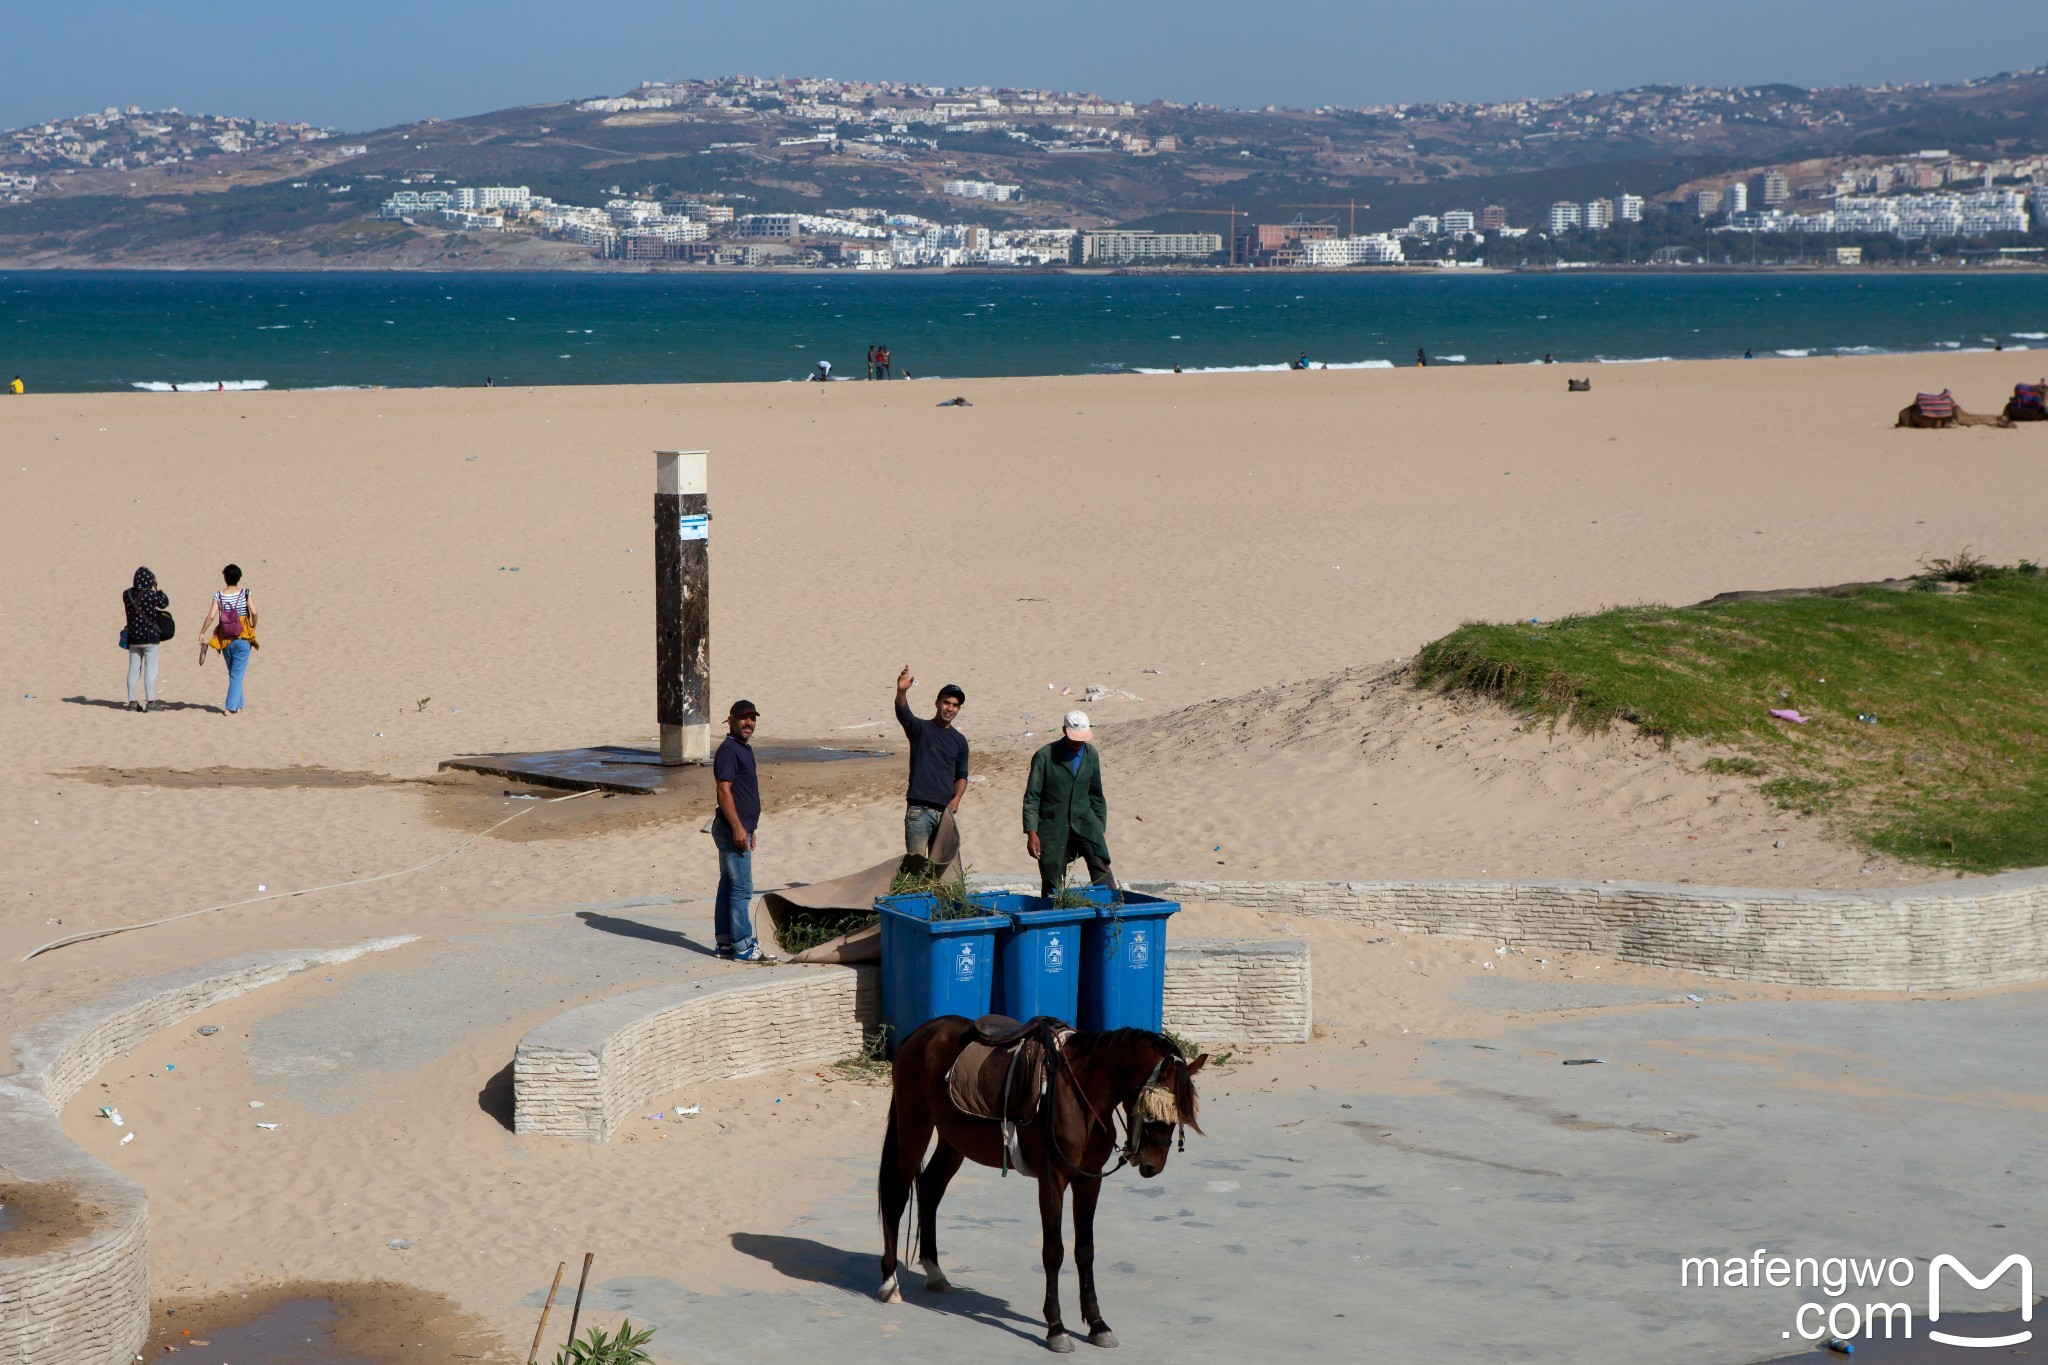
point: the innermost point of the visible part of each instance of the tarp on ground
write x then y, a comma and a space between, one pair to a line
856, 893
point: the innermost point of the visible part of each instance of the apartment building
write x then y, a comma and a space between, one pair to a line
1735, 199
1564, 217
1125, 246
1492, 218
1599, 213
1628, 208
1458, 222
1377, 249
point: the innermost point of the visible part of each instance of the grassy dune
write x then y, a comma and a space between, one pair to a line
1927, 735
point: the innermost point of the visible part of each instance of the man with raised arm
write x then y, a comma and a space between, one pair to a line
938, 763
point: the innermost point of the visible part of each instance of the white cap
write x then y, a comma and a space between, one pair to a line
1076, 726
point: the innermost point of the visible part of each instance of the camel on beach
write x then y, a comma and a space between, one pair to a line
1911, 416
2026, 403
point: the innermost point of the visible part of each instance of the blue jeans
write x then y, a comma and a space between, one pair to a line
236, 653
920, 824
734, 927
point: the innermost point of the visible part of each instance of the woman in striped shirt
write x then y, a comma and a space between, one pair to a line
230, 628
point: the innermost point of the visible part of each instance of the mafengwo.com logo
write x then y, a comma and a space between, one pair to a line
1863, 1294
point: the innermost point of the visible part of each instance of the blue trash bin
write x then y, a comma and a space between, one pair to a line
1038, 958
933, 967
1123, 961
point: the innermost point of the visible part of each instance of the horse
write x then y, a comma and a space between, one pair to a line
1088, 1079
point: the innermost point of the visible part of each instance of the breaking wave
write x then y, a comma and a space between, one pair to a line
206, 386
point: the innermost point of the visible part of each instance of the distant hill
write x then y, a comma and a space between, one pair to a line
235, 193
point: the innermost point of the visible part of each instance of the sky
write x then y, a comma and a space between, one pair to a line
372, 63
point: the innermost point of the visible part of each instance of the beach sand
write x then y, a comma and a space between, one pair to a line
1249, 556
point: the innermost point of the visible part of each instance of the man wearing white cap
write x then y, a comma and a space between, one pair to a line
1065, 815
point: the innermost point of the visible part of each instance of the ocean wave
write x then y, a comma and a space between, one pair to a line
1632, 359
1452, 359
206, 386
1262, 369
1861, 350
2032, 336
1794, 353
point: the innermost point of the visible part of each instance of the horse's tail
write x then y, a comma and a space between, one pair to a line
892, 1183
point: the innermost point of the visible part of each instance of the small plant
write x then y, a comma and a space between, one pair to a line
804, 930
1963, 568
869, 1066
1737, 766
421, 704
599, 1349
949, 898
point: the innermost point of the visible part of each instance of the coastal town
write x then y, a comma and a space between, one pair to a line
810, 172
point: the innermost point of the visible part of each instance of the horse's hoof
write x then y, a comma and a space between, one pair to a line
890, 1294
1059, 1341
938, 1284
1104, 1338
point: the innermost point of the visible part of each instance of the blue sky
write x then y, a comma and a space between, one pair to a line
372, 63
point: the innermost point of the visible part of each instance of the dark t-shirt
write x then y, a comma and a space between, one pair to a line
734, 763
938, 759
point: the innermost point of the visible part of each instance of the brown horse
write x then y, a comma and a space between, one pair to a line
1089, 1078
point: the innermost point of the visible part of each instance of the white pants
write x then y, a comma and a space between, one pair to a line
142, 669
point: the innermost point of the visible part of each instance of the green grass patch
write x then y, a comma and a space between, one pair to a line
1927, 736
949, 895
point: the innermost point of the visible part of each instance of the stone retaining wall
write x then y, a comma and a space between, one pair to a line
1239, 991
585, 1072
87, 1303
1954, 935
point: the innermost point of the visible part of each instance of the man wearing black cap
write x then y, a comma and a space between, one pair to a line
938, 764
732, 829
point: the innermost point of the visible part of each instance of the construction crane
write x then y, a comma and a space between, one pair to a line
1351, 204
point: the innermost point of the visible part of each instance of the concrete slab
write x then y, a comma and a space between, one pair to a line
330, 1050
1512, 1209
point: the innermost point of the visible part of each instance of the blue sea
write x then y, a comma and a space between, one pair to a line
97, 331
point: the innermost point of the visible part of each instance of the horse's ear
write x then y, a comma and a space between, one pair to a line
1196, 1065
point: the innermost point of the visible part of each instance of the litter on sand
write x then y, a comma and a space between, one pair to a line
1585, 1061
399, 1243
269, 1127
208, 1030
126, 1140
1791, 715
956, 403
1694, 998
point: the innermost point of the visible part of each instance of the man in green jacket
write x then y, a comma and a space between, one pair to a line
1065, 815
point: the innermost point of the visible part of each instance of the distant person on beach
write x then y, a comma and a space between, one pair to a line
17, 386
938, 763
871, 363
1748, 354
1421, 358
1301, 361
231, 629
489, 382
822, 373
883, 361
733, 830
148, 613
1547, 360
1065, 814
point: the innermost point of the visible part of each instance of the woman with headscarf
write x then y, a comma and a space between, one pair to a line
148, 627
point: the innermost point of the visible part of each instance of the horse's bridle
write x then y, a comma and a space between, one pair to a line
1134, 1126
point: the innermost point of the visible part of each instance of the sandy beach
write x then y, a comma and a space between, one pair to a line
1248, 557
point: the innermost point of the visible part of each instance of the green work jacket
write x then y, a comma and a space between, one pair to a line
1062, 806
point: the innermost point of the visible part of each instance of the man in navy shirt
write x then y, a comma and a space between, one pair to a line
938, 764
732, 829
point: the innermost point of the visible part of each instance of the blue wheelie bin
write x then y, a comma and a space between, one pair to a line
1123, 961
1038, 957
933, 967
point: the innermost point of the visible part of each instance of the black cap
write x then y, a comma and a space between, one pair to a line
953, 690
742, 708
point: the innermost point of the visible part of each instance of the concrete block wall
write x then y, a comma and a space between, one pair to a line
1956, 935
586, 1072
87, 1302
1239, 991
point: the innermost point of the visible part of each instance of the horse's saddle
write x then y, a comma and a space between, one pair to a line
1002, 1074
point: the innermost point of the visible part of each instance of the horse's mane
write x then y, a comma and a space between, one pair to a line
1186, 1104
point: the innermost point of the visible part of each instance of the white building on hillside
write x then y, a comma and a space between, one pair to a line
1457, 222
1628, 208
1564, 217
1599, 213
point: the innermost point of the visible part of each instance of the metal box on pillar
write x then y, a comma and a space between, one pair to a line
682, 604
